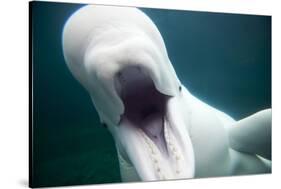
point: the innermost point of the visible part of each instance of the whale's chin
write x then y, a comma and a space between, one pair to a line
151, 132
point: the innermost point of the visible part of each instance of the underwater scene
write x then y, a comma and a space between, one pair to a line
222, 59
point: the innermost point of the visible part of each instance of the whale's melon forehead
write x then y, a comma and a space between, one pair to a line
91, 21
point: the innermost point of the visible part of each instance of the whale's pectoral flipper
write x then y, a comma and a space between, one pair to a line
253, 134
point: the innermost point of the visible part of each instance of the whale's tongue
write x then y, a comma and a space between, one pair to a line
153, 127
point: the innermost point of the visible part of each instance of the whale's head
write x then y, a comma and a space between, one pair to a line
119, 56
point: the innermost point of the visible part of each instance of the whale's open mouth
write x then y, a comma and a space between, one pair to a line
154, 136
145, 106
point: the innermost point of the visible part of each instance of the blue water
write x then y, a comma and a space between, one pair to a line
223, 59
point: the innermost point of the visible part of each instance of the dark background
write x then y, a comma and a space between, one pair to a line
223, 59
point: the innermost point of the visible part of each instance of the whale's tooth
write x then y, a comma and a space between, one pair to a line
155, 161
158, 169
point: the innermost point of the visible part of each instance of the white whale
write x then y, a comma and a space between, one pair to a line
161, 130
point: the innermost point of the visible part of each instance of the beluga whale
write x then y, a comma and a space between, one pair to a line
161, 131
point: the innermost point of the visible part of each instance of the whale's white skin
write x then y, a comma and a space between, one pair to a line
115, 51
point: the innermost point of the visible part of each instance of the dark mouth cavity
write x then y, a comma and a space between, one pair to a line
145, 106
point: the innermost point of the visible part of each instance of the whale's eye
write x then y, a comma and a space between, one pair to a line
180, 88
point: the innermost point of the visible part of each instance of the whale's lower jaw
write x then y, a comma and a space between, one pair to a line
152, 137
150, 162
